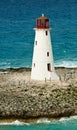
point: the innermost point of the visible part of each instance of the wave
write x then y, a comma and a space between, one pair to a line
17, 122
68, 119
60, 63
56, 121
5, 64
43, 121
15, 64
14, 123
67, 64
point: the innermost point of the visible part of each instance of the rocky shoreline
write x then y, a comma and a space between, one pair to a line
20, 97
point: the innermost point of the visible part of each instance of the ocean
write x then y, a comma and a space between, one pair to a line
17, 20
61, 124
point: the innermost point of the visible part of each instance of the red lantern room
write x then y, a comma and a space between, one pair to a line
42, 22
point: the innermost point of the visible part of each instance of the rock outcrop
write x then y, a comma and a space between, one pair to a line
22, 98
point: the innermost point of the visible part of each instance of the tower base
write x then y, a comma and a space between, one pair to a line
51, 76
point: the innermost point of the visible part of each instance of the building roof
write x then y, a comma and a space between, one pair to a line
42, 17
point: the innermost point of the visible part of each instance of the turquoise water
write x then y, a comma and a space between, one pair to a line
62, 124
17, 20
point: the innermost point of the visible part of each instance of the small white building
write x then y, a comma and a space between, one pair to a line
43, 64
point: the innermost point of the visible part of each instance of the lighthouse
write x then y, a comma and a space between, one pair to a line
42, 63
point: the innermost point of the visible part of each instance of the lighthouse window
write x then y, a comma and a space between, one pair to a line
42, 22
38, 22
49, 67
35, 42
34, 64
47, 53
46, 33
47, 24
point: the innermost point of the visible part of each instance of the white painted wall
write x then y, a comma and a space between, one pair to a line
40, 59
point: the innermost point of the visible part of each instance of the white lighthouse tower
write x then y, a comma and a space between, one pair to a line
42, 64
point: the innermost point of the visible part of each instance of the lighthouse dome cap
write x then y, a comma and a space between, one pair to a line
42, 17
